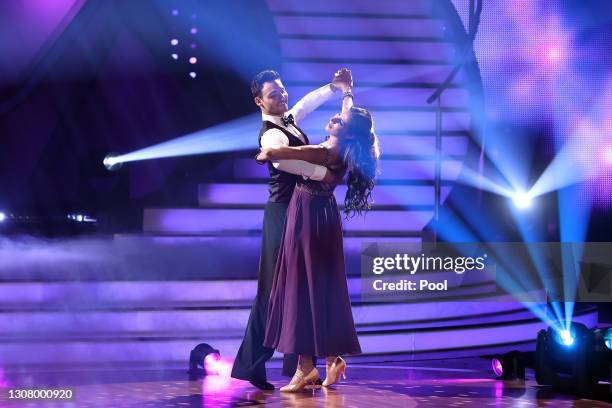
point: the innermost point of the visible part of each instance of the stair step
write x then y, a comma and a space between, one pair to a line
416, 148
257, 194
460, 337
389, 169
110, 352
384, 74
218, 324
373, 50
424, 145
358, 25
199, 220
365, 7
228, 322
134, 295
26, 308
376, 97
142, 257
177, 350
388, 96
398, 121
153, 298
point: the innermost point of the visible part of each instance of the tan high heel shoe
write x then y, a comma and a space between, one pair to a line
337, 369
301, 380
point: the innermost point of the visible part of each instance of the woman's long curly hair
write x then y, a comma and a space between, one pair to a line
360, 153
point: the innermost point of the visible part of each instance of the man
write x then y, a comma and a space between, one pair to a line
279, 128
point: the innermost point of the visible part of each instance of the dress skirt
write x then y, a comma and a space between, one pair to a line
309, 311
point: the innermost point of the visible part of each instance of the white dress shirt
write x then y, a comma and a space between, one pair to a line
276, 138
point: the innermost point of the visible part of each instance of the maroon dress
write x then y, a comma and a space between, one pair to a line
309, 312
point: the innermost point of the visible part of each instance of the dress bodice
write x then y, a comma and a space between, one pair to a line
338, 167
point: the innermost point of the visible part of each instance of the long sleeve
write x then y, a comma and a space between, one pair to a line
276, 138
312, 154
310, 102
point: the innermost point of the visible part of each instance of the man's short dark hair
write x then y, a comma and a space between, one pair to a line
260, 79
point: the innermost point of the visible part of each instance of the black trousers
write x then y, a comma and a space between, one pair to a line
250, 362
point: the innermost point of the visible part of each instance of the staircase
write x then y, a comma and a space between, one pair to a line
53, 325
398, 54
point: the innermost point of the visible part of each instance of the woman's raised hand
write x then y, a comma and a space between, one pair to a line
343, 79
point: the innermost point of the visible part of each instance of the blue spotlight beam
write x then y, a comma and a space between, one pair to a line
530, 235
471, 177
560, 173
574, 159
476, 179
510, 280
511, 157
454, 230
571, 265
231, 136
573, 222
511, 285
544, 275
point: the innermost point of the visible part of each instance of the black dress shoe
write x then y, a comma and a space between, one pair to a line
262, 385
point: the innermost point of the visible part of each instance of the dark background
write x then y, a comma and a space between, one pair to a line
107, 82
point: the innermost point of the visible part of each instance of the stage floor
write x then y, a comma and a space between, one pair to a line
437, 383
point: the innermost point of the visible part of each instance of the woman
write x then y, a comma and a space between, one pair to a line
309, 312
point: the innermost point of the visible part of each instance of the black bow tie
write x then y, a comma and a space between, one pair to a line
288, 120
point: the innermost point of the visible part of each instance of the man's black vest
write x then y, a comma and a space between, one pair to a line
281, 184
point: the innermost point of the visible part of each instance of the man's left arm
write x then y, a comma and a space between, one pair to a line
310, 102
343, 79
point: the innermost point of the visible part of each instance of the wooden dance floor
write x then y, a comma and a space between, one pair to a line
438, 383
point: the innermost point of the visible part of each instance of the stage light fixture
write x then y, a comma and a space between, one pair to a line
564, 337
84, 218
174, 42
199, 357
174, 56
573, 358
213, 364
111, 163
193, 60
522, 200
509, 366
498, 368
608, 338
2, 217
193, 74
194, 30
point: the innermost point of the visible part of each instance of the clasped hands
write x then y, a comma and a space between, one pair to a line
342, 80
